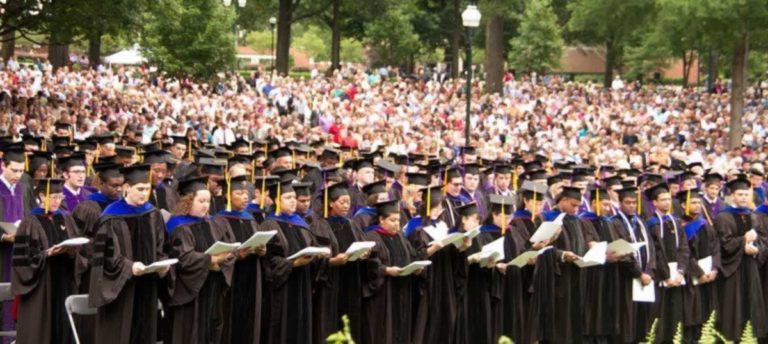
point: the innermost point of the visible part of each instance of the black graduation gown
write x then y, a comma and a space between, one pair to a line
671, 246
290, 289
700, 300
437, 304
218, 204
127, 304
484, 296
196, 294
569, 291
244, 304
43, 282
387, 301
357, 199
164, 197
740, 294
516, 295
601, 297
350, 276
325, 316
634, 318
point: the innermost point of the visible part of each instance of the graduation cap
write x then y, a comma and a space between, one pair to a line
451, 173
473, 169
598, 194
570, 192
711, 178
532, 189
76, 159
360, 164
738, 184
375, 188
387, 208
60, 140
107, 170
239, 143
388, 169
562, 164
278, 190
239, 159
135, 174
402, 159
33, 140
756, 172
337, 190
330, 153
263, 183
155, 156
502, 169
651, 178
607, 168
431, 196
125, 151
629, 172
501, 204
192, 185
286, 174
532, 165
654, 192
685, 198
695, 164
536, 175
303, 189
421, 179
37, 159
222, 153
467, 209
611, 181
152, 146
49, 186
179, 140
103, 139
626, 183
62, 126
627, 192
540, 158
551, 180
14, 152
579, 176
62, 151
212, 166
234, 183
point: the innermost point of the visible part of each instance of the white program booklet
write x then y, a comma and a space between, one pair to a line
9, 228
74, 242
357, 249
595, 256
672, 272
311, 251
642, 293
706, 265
547, 229
220, 247
522, 259
622, 247
159, 265
411, 268
258, 239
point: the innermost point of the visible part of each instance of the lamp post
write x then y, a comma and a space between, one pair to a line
470, 18
272, 23
240, 4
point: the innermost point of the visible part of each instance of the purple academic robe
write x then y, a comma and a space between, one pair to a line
71, 200
12, 211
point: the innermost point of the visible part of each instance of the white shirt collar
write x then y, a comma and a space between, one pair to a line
74, 192
7, 183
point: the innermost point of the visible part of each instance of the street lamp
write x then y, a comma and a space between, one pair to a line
470, 18
272, 23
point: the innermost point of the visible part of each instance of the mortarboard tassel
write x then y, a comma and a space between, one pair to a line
26, 162
48, 196
263, 191
293, 159
149, 193
253, 171
53, 168
229, 193
445, 182
189, 150
639, 203
266, 151
325, 202
533, 211
429, 200
597, 205
503, 218
688, 203
514, 180
44, 145
277, 201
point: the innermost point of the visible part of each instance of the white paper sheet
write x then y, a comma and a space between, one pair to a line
706, 265
642, 293
357, 249
159, 265
595, 256
258, 239
220, 247
411, 268
547, 229
311, 251
522, 259
74, 242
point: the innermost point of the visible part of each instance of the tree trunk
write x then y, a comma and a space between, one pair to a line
283, 53
9, 43
494, 54
738, 85
455, 39
335, 36
687, 59
94, 49
58, 50
610, 61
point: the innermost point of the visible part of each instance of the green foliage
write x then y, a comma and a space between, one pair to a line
391, 37
651, 336
539, 47
505, 340
190, 37
342, 337
678, 337
709, 333
748, 336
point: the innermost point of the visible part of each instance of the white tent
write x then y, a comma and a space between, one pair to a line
126, 57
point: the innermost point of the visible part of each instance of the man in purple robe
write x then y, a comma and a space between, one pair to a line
15, 202
73, 172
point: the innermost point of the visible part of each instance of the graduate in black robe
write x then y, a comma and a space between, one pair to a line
43, 274
163, 195
672, 260
130, 236
258, 207
198, 283
634, 318
485, 279
469, 215
571, 244
740, 291
437, 304
700, 294
290, 280
366, 214
349, 286
387, 296
244, 304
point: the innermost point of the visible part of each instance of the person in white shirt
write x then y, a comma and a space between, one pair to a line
222, 135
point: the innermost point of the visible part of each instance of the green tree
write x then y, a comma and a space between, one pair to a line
392, 38
539, 47
610, 23
190, 37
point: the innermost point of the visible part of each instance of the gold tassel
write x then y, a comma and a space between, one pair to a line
503, 218
445, 181
48, 196
597, 205
149, 194
688, 203
26, 162
263, 191
266, 151
53, 168
639, 203
514, 180
429, 200
533, 211
44, 145
293, 159
253, 171
277, 201
325, 202
189, 151
229, 193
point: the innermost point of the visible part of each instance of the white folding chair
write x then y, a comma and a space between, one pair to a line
6, 296
77, 304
